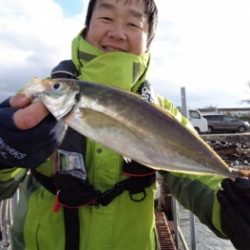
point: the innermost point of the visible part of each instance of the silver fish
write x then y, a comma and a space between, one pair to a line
132, 127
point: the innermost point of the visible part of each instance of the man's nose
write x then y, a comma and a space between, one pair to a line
117, 31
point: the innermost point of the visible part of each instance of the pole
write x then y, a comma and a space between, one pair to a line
191, 216
183, 101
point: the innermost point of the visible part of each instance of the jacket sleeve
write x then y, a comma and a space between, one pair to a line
10, 179
197, 193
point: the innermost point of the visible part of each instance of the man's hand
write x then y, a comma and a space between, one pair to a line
28, 115
28, 133
234, 198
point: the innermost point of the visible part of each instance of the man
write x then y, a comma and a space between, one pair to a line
102, 202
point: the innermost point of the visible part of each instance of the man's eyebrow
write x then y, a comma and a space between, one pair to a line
137, 14
133, 12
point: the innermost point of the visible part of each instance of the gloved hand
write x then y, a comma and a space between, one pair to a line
26, 148
234, 198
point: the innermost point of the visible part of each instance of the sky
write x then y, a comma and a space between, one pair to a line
202, 45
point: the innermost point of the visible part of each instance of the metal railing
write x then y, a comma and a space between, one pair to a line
7, 208
179, 234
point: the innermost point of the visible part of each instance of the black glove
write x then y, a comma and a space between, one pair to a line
234, 199
26, 148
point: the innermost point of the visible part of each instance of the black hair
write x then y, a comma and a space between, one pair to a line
151, 13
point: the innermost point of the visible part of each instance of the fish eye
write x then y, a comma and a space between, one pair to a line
57, 86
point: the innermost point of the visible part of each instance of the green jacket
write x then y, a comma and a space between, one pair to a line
123, 224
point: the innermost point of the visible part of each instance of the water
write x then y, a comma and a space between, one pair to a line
205, 238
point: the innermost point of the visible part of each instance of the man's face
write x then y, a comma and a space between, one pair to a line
119, 26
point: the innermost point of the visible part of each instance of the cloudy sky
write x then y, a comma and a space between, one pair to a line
202, 45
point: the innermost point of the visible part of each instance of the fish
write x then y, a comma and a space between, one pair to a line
127, 124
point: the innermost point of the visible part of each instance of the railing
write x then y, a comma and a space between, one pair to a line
7, 208
179, 235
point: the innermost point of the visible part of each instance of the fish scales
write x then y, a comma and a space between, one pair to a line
161, 142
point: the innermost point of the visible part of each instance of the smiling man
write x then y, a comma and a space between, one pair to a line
116, 26
84, 196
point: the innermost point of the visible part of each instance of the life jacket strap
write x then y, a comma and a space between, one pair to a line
134, 185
